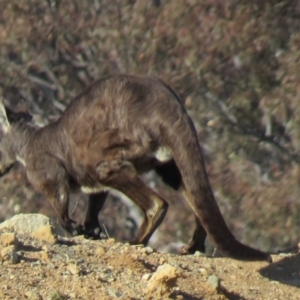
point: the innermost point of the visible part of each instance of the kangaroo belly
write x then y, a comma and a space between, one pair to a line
97, 188
149, 161
87, 188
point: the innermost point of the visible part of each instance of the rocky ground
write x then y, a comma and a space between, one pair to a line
36, 263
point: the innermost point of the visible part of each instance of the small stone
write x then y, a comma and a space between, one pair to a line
99, 251
45, 256
198, 253
162, 260
73, 295
149, 250
165, 277
45, 248
146, 250
213, 281
146, 276
110, 241
112, 292
203, 271
134, 256
45, 233
32, 295
111, 279
9, 254
73, 269
7, 239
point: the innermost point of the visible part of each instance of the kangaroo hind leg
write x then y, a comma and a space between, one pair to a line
198, 240
171, 175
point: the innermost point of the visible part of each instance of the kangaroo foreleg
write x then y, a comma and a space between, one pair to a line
53, 183
59, 200
91, 223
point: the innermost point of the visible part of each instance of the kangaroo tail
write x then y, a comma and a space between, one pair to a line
181, 137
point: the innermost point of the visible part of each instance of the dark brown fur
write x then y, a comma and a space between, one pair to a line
107, 136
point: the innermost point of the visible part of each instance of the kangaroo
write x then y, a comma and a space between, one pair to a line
117, 128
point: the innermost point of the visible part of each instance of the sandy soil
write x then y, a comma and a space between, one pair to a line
77, 268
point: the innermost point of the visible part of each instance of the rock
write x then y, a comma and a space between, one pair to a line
73, 269
162, 260
99, 251
213, 281
44, 256
198, 253
32, 295
7, 239
163, 280
73, 295
148, 250
110, 241
9, 254
45, 233
146, 276
27, 223
134, 256
113, 293
203, 271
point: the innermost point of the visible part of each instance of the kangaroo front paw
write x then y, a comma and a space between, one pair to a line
94, 232
77, 229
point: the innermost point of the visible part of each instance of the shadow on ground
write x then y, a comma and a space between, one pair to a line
286, 271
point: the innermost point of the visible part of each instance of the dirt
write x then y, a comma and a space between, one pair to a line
77, 268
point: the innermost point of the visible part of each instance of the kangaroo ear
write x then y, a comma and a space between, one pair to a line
4, 122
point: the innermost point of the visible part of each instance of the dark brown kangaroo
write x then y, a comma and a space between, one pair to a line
118, 127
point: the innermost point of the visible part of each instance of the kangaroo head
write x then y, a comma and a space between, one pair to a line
12, 125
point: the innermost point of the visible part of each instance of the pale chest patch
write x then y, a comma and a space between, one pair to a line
163, 154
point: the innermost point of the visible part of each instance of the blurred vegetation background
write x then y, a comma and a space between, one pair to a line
236, 65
